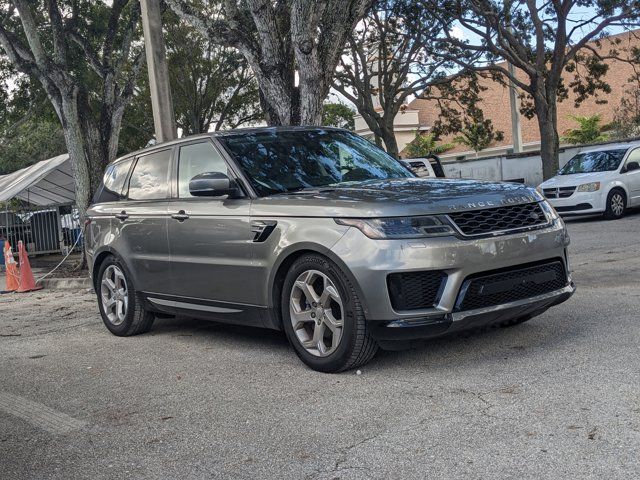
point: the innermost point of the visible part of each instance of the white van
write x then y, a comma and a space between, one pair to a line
603, 180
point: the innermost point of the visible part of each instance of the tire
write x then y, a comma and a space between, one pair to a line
336, 308
616, 203
133, 319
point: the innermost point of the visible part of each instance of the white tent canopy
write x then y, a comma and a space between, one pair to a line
49, 182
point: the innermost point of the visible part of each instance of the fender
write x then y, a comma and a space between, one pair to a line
617, 183
98, 254
317, 248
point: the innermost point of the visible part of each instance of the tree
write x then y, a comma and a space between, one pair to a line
387, 59
543, 41
29, 128
85, 56
284, 42
589, 130
478, 135
338, 115
212, 85
626, 121
424, 145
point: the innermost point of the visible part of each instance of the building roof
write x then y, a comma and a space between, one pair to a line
49, 182
495, 102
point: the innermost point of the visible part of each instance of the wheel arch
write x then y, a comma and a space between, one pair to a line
618, 185
281, 267
100, 257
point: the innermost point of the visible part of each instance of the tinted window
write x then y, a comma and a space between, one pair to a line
587, 162
281, 161
195, 159
633, 157
115, 177
150, 177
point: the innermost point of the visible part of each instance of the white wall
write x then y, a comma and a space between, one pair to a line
502, 167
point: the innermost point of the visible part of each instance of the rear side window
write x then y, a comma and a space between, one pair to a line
115, 177
196, 159
150, 177
113, 182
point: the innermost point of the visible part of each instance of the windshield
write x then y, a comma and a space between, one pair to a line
285, 161
589, 162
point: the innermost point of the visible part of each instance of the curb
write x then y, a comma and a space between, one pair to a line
66, 283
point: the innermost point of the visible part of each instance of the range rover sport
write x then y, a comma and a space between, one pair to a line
317, 232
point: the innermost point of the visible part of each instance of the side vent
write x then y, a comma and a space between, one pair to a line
262, 229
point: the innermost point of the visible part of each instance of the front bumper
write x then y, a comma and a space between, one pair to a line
398, 332
580, 203
371, 261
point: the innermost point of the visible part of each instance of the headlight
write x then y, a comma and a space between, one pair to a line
549, 210
588, 187
399, 227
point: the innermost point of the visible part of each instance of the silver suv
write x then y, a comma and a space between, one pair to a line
317, 232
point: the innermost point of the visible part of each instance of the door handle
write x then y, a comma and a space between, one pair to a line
181, 216
122, 215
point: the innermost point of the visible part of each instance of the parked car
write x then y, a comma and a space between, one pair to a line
317, 232
603, 180
425, 167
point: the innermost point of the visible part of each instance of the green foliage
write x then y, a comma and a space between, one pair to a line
478, 135
589, 131
29, 128
212, 85
424, 145
28, 143
626, 121
338, 115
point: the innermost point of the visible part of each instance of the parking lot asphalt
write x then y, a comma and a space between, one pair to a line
557, 397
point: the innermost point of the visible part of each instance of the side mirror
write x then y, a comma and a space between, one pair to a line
213, 184
632, 166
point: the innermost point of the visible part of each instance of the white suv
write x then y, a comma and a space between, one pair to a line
604, 180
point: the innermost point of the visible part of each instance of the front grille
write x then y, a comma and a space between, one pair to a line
490, 289
415, 290
561, 192
490, 220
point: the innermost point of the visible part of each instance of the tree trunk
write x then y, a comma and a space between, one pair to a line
549, 140
389, 137
89, 149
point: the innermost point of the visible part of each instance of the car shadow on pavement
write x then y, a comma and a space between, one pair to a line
488, 346
206, 330
633, 212
472, 347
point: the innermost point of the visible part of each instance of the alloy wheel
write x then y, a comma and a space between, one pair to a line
316, 312
114, 294
617, 204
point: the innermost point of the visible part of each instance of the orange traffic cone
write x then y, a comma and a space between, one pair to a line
12, 269
27, 282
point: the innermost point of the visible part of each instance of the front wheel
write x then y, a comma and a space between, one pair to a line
616, 202
121, 310
322, 316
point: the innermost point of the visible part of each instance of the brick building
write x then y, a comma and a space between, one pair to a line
495, 105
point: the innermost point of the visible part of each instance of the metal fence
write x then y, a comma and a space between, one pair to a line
53, 229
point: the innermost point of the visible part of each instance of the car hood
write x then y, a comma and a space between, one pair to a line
389, 198
575, 179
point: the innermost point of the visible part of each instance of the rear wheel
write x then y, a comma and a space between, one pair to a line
322, 316
121, 310
616, 203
